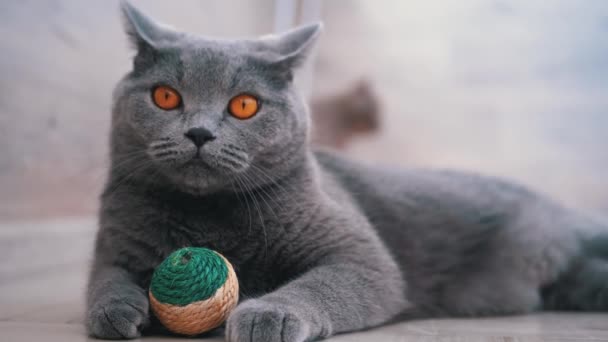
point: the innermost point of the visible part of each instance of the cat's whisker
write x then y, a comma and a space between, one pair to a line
141, 166
263, 195
126, 157
260, 172
165, 153
234, 147
260, 213
247, 188
162, 144
231, 164
122, 179
238, 196
257, 170
125, 163
246, 202
242, 158
264, 190
253, 184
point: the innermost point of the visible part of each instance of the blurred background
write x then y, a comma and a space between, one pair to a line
515, 88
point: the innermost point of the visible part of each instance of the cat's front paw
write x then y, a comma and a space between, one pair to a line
259, 321
118, 318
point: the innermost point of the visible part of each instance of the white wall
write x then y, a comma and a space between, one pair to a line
59, 62
517, 88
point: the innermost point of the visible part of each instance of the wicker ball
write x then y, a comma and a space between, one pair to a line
193, 290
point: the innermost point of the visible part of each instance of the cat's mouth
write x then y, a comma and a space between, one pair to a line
195, 160
204, 163
197, 155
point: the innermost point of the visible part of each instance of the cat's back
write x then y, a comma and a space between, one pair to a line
416, 211
383, 187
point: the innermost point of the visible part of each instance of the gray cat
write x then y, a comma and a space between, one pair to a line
209, 148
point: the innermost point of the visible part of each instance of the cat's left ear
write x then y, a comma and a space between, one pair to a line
294, 46
144, 32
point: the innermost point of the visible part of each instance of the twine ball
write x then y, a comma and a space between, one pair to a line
193, 290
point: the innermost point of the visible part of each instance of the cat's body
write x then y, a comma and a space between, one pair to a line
470, 244
321, 245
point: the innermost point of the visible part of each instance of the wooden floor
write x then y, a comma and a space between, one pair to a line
43, 271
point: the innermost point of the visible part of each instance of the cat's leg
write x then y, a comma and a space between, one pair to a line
324, 301
355, 284
498, 291
117, 308
584, 286
559, 263
507, 274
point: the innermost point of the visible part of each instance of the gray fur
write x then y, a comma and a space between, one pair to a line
321, 245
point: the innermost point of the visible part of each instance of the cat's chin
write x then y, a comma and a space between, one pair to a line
198, 191
197, 178
198, 188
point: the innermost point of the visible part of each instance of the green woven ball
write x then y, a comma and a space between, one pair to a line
193, 290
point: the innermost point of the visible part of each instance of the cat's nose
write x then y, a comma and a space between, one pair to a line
199, 135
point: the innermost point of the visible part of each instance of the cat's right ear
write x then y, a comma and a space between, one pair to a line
144, 33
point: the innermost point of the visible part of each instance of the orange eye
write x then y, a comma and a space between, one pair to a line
243, 106
166, 98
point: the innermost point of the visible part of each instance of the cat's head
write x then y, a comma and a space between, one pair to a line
204, 112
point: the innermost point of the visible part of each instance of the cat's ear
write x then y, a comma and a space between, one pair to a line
293, 47
143, 31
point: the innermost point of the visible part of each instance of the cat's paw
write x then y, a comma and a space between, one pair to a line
260, 321
118, 318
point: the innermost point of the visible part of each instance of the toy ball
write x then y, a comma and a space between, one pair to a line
193, 291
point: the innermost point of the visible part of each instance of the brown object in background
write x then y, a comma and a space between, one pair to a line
337, 119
